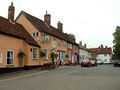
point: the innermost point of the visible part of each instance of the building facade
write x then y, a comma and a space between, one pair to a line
50, 38
84, 53
103, 54
17, 48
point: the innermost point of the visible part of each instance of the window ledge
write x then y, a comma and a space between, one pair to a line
9, 65
34, 58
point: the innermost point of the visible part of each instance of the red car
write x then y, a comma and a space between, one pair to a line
86, 63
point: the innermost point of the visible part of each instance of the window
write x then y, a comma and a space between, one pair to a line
35, 34
53, 44
9, 57
65, 44
105, 54
0, 58
46, 54
69, 55
105, 60
46, 38
69, 45
62, 56
35, 53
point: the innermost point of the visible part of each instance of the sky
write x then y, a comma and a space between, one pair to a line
91, 21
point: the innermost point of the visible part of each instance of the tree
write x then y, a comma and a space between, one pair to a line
53, 56
71, 36
42, 54
116, 41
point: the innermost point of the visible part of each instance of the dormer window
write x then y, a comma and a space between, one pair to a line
35, 34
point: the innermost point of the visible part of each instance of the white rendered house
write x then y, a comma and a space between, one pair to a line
103, 54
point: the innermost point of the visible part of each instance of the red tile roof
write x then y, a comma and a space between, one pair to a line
107, 50
15, 30
42, 26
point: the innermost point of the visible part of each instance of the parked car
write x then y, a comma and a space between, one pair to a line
116, 63
86, 63
93, 63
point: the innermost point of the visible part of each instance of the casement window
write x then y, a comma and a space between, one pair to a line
35, 34
46, 38
46, 54
64, 43
35, 53
69, 55
1, 58
9, 57
62, 55
53, 44
69, 45
105, 54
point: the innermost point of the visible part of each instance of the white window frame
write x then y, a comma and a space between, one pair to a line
69, 55
36, 57
35, 34
1, 58
46, 37
45, 58
70, 45
7, 57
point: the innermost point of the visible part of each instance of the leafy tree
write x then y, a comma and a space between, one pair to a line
116, 41
71, 36
53, 56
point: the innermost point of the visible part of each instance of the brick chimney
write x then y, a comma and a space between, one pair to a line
60, 26
47, 19
11, 11
85, 45
80, 43
106, 47
101, 45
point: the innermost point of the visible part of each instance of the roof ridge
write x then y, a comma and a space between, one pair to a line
40, 25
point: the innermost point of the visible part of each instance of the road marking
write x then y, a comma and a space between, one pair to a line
23, 76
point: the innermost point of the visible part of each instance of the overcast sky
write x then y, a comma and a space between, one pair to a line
91, 21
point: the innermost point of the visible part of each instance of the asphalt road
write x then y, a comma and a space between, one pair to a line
103, 77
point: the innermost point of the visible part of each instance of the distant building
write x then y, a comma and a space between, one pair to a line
84, 52
103, 54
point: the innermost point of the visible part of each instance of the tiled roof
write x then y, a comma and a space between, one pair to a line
107, 50
15, 30
84, 48
42, 26
61, 35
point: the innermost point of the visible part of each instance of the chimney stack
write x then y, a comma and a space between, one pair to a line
105, 46
11, 11
101, 45
60, 26
80, 43
47, 19
85, 45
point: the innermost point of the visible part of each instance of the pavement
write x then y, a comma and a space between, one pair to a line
102, 77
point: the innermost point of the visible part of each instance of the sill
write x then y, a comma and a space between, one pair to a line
34, 58
45, 59
9, 65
